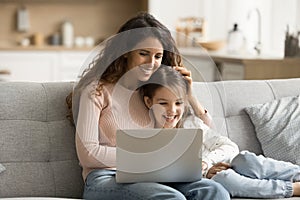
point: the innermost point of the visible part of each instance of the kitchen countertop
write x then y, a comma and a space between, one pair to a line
247, 66
224, 56
217, 56
188, 51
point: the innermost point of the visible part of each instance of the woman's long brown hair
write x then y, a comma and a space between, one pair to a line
110, 64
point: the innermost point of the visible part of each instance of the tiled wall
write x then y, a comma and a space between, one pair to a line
96, 18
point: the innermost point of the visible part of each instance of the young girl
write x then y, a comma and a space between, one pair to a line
248, 175
165, 94
106, 98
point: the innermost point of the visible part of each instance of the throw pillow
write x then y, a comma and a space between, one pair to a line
277, 126
2, 168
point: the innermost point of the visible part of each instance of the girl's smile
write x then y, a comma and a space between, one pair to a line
167, 107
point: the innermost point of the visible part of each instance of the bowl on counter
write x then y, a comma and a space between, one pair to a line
4, 75
212, 45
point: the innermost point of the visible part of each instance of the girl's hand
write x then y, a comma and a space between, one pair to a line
217, 168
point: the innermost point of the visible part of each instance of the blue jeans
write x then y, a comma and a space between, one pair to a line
101, 184
258, 177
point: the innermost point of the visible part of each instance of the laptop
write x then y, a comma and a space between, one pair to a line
159, 155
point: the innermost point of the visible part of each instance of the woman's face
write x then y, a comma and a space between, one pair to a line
145, 60
167, 107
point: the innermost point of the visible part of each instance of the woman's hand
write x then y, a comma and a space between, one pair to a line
185, 72
196, 105
217, 168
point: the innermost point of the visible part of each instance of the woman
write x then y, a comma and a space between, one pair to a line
106, 99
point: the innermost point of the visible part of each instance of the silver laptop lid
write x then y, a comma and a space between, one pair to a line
159, 155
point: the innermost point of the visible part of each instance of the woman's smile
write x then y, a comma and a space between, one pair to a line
147, 70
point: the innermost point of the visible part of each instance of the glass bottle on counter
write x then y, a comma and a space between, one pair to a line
235, 40
67, 34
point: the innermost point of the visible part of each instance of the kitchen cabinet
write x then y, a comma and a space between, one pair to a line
215, 66
42, 66
29, 66
256, 68
203, 70
71, 64
199, 62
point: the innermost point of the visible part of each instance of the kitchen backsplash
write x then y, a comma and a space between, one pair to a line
95, 19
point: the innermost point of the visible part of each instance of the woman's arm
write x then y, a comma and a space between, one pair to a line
90, 152
195, 104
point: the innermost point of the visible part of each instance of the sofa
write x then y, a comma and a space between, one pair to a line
37, 140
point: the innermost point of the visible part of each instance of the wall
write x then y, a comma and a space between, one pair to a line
168, 11
284, 13
96, 18
222, 14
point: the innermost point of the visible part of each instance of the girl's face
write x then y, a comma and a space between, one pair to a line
167, 107
145, 60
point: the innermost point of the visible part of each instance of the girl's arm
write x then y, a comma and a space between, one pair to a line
200, 111
216, 148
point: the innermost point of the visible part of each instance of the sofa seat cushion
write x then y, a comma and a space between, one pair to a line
277, 126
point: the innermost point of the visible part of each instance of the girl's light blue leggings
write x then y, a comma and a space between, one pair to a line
255, 176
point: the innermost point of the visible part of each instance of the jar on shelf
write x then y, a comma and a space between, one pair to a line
67, 34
